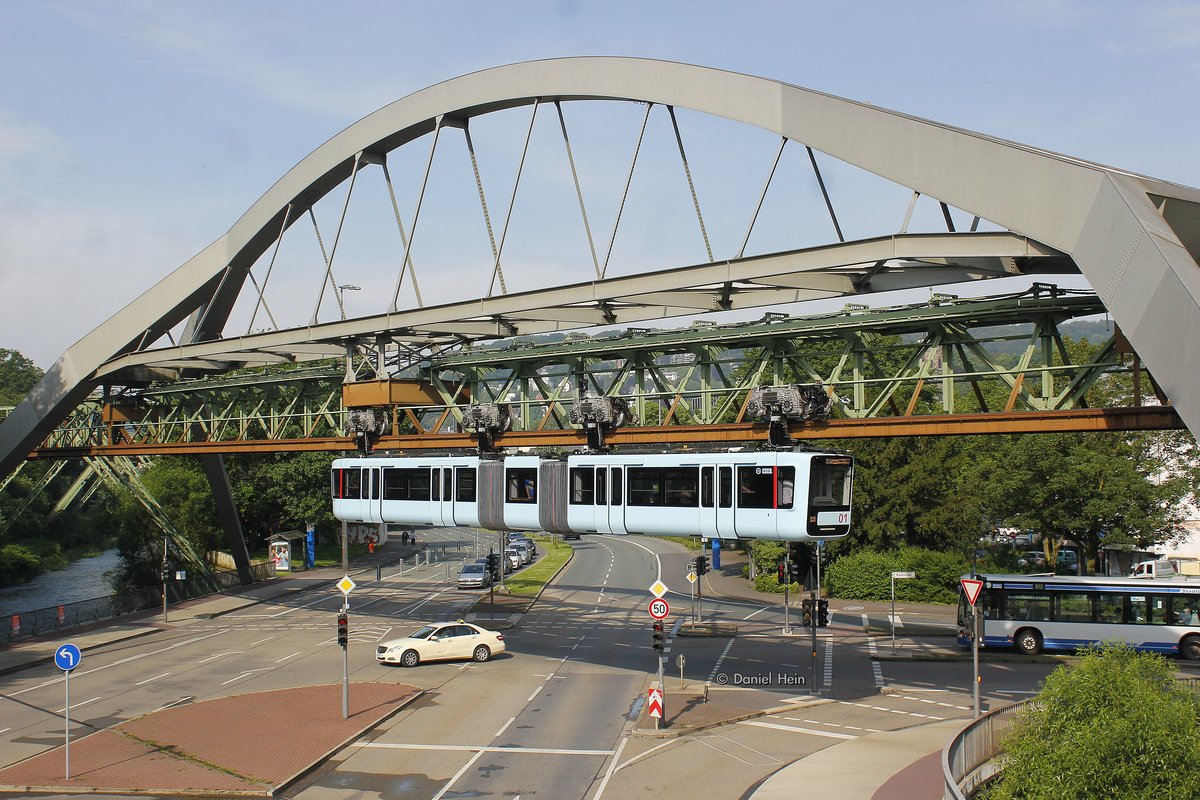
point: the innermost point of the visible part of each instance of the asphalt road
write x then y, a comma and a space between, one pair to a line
550, 718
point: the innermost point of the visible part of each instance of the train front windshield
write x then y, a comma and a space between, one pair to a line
829, 488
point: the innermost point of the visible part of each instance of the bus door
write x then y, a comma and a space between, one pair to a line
441, 484
616, 499
724, 499
708, 503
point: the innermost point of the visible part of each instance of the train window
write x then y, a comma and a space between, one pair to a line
756, 487
406, 484
645, 486
706, 486
616, 486
352, 484
680, 487
375, 484
785, 477
601, 491
447, 483
582, 484
466, 484
829, 486
435, 484
521, 485
725, 493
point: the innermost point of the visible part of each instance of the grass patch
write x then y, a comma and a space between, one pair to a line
530, 581
690, 542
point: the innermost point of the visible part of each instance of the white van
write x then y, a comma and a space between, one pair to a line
1154, 569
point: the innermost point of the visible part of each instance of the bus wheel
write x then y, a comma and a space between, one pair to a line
1190, 648
1028, 641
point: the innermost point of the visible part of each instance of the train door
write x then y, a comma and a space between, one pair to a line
600, 509
708, 502
375, 492
442, 489
724, 509
756, 500
616, 500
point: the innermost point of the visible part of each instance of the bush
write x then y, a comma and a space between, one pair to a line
18, 564
770, 583
866, 575
1117, 726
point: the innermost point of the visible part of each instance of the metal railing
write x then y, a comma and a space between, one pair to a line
969, 760
84, 612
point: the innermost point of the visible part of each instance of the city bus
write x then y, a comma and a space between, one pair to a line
1032, 613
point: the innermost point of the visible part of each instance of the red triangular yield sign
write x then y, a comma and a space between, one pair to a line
972, 588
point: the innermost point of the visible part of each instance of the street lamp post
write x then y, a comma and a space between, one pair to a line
341, 295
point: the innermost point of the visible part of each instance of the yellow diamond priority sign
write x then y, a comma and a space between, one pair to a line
346, 585
691, 576
658, 589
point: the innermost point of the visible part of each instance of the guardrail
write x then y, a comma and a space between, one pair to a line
969, 760
83, 612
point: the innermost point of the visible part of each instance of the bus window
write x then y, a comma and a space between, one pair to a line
1073, 607
1139, 610
1110, 607
1028, 606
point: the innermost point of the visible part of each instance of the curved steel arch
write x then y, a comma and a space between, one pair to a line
1133, 237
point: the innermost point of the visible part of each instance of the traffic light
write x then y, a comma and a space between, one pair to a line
701, 565
793, 572
493, 566
658, 636
806, 606
343, 630
781, 574
822, 613
166, 572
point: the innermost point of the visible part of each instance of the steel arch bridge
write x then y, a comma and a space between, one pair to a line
970, 207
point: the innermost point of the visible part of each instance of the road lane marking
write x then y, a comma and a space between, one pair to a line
612, 767
793, 729
755, 614
504, 727
717, 666
896, 621
148, 680
457, 775
293, 655
77, 705
875, 666
193, 640
535, 693
261, 641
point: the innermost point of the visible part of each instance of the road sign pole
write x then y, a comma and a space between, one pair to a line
893, 617
67, 725
662, 684
816, 675
975, 652
346, 665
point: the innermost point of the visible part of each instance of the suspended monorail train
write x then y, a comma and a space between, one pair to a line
784, 495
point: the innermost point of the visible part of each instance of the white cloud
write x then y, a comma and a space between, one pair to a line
21, 141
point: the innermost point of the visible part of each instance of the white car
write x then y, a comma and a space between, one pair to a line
515, 560
440, 642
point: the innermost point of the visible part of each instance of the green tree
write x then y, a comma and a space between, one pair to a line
1117, 726
282, 492
17, 376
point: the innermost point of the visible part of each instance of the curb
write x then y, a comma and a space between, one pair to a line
532, 602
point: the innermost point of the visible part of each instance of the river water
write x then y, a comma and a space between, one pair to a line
82, 580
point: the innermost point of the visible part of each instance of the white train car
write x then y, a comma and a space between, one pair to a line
783, 495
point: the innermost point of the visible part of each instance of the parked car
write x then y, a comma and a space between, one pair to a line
525, 547
1032, 558
513, 556
440, 642
474, 576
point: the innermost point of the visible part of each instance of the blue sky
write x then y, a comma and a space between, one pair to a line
133, 134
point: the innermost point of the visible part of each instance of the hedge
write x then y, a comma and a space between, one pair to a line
866, 575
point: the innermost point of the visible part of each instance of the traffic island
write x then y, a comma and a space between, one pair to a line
697, 707
246, 745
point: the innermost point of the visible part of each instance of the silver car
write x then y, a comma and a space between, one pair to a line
525, 547
474, 576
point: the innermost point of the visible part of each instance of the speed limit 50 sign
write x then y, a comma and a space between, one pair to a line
659, 608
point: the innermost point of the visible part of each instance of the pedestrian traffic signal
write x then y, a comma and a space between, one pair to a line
806, 606
701, 565
343, 630
658, 636
781, 573
822, 613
